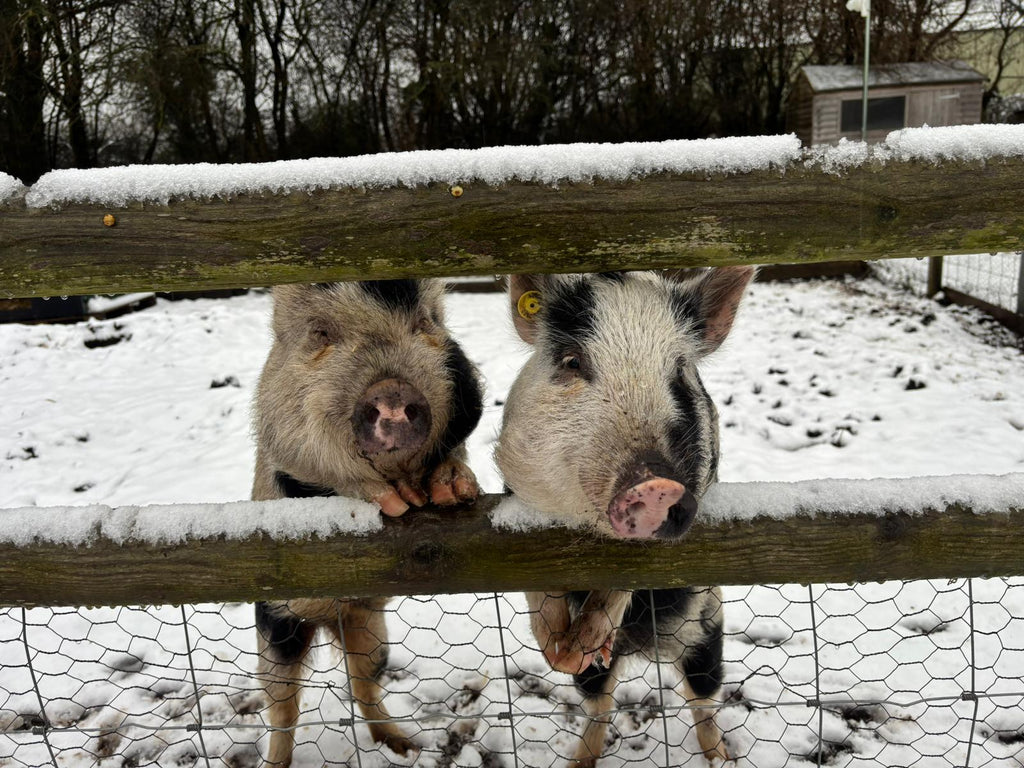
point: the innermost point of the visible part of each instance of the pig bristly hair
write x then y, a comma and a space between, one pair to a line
331, 342
613, 383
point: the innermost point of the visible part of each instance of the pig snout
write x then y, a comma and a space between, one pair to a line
392, 415
652, 506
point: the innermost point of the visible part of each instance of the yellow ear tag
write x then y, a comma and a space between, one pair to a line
529, 305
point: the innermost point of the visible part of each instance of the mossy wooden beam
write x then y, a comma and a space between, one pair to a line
434, 552
800, 214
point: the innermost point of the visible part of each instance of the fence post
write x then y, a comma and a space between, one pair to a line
934, 275
1020, 292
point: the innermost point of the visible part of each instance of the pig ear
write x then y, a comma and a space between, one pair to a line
525, 294
719, 292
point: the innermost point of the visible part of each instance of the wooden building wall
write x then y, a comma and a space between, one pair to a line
816, 118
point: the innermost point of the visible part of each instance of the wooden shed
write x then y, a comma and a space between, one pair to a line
826, 104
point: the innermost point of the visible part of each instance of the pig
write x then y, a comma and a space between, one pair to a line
608, 426
364, 394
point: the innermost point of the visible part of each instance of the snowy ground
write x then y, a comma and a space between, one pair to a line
818, 380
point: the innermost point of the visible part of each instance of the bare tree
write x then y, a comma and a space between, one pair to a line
23, 91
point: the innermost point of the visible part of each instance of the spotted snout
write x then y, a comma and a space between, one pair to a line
392, 415
651, 505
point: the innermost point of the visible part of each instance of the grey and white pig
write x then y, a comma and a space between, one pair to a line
608, 425
364, 394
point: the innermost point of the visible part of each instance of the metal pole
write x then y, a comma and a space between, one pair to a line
1020, 287
867, 62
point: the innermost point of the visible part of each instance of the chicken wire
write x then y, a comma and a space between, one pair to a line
994, 278
919, 673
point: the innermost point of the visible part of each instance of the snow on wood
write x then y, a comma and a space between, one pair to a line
550, 164
137, 556
300, 519
547, 164
566, 208
954, 143
179, 523
9, 187
725, 502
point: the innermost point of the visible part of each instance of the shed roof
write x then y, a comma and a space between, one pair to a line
842, 77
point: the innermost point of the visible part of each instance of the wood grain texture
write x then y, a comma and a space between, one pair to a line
439, 552
669, 220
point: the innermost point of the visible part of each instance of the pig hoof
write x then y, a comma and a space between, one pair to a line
452, 483
391, 503
718, 755
401, 746
411, 493
565, 659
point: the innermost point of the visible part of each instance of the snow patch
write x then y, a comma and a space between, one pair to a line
551, 164
931, 145
178, 523
513, 514
983, 494
954, 142
725, 502
846, 154
9, 187
548, 164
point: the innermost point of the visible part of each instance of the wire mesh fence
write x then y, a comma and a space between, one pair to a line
919, 673
994, 278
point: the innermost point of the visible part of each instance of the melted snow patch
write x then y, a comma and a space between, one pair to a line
983, 494
178, 523
547, 164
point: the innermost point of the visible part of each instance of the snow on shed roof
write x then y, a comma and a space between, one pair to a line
841, 77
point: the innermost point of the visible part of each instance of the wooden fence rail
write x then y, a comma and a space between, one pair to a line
798, 213
437, 552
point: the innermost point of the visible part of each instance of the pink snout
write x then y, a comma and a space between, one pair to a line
641, 510
392, 415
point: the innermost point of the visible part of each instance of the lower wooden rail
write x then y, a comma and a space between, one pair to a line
751, 533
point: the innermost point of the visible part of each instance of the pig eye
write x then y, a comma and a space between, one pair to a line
319, 336
571, 367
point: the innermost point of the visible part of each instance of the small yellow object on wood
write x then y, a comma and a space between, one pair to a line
456, 191
109, 220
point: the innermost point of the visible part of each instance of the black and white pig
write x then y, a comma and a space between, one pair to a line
364, 394
608, 425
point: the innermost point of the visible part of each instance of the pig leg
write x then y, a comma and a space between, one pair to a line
549, 620
365, 642
596, 684
282, 643
701, 687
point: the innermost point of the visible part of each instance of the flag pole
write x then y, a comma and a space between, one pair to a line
866, 11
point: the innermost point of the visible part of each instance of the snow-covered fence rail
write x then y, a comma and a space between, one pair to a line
808, 532
924, 192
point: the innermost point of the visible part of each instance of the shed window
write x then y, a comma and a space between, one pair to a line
884, 114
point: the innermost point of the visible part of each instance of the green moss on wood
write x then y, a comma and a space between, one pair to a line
434, 551
661, 221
